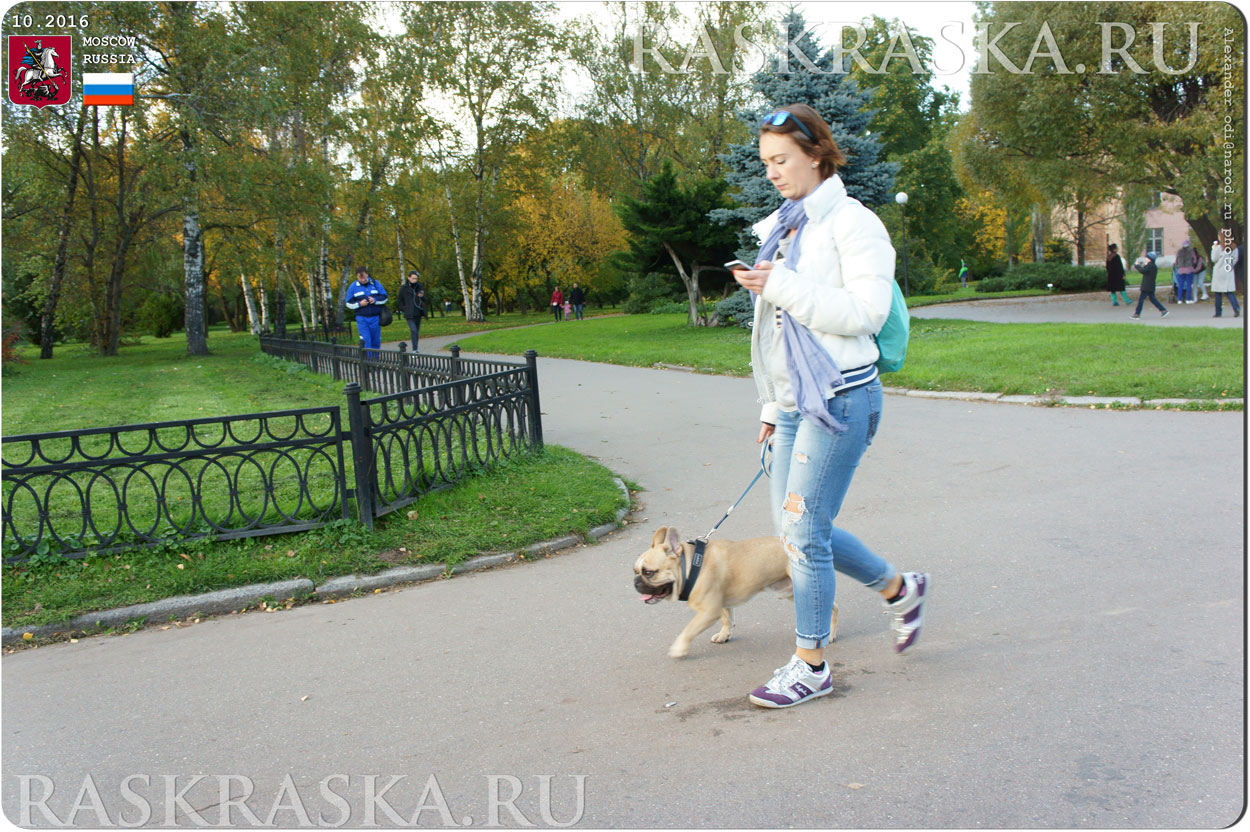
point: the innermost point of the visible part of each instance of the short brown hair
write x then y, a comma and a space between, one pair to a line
361, 270
823, 150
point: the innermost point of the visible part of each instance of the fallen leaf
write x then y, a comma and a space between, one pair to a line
183, 555
180, 566
412, 515
290, 553
303, 699
855, 786
27, 636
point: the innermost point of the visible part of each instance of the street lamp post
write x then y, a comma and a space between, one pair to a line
901, 199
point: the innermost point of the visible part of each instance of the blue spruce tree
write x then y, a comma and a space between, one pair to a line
840, 102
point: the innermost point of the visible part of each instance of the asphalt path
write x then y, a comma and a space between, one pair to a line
1082, 665
1088, 308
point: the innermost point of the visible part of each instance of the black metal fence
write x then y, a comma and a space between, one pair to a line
102, 489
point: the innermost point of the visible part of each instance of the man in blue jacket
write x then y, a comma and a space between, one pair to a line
367, 297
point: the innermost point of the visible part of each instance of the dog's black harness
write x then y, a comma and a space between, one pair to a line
700, 543
696, 563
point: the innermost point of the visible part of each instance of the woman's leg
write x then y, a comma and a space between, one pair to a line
820, 470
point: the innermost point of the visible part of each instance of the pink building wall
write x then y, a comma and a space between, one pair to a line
1169, 217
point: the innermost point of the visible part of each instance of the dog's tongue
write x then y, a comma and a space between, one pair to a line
650, 599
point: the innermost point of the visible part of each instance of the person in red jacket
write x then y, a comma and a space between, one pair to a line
557, 303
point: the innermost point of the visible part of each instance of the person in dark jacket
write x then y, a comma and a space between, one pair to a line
412, 304
578, 299
1115, 275
1149, 271
366, 297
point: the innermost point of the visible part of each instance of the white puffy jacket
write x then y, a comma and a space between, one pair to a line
841, 290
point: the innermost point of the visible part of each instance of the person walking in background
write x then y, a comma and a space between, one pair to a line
412, 305
578, 298
1149, 271
1224, 279
1115, 276
557, 303
1183, 268
963, 274
1200, 270
823, 284
366, 297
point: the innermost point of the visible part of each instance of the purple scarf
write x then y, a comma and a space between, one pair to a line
811, 369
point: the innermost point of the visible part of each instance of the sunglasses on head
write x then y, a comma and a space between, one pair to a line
779, 118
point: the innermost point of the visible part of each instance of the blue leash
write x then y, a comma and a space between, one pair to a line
764, 469
700, 543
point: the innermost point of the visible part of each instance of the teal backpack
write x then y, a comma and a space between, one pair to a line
892, 339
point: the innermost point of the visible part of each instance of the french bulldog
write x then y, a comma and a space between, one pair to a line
733, 571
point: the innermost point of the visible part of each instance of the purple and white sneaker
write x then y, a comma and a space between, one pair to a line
907, 612
793, 684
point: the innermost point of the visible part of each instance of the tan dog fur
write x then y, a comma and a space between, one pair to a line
733, 571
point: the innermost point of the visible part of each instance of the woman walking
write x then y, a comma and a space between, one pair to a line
822, 287
1223, 280
557, 303
1115, 275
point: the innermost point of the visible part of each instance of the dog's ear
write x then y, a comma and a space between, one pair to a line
674, 543
661, 535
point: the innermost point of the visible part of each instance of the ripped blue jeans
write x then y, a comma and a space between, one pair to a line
811, 473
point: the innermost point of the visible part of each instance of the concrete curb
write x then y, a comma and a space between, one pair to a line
239, 598
1071, 401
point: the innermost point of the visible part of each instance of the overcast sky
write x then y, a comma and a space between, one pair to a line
949, 24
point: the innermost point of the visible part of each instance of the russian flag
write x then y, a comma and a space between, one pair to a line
116, 88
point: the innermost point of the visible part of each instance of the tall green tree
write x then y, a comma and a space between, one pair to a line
839, 101
497, 64
670, 231
1153, 114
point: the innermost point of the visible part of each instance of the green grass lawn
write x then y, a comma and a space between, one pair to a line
154, 381
969, 294
511, 504
516, 503
455, 324
1065, 359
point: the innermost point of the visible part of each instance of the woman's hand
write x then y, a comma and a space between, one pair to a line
755, 278
766, 431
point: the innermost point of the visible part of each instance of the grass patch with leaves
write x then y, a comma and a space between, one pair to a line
1029, 359
513, 504
156, 381
455, 324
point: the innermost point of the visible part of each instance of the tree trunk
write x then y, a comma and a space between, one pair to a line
48, 317
279, 268
264, 307
303, 319
399, 247
312, 299
691, 284
455, 238
253, 315
193, 256
1080, 235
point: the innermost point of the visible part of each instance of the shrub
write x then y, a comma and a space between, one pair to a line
736, 310
8, 351
646, 290
1056, 250
160, 315
1064, 277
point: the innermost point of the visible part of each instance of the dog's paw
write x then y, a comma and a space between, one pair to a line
678, 651
720, 638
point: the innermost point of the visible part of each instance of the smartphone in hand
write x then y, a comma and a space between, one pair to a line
737, 266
